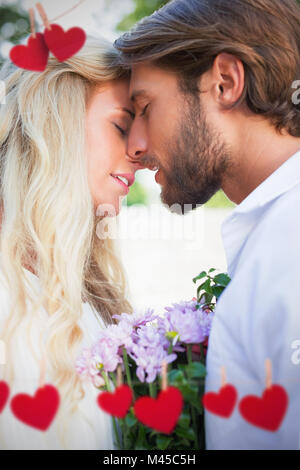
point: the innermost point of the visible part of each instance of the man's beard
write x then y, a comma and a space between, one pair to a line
197, 161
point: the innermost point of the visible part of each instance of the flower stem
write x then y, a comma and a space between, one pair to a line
169, 366
189, 353
202, 353
151, 389
113, 379
194, 425
105, 376
190, 361
125, 359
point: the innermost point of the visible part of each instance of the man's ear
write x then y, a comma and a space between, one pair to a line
228, 78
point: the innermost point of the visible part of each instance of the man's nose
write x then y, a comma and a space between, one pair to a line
136, 146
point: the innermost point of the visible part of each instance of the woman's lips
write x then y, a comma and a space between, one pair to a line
124, 186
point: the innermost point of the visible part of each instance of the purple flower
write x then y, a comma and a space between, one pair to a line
149, 361
86, 366
206, 319
184, 306
120, 334
146, 338
150, 336
136, 319
106, 353
184, 323
149, 350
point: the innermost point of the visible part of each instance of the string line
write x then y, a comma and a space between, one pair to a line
65, 13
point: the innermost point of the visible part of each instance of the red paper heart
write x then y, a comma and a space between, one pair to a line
161, 413
4, 393
38, 411
64, 44
116, 403
268, 411
221, 403
33, 56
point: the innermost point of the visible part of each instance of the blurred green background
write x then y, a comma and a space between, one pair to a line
142, 8
14, 23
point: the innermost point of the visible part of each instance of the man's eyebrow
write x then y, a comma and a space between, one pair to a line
137, 93
131, 113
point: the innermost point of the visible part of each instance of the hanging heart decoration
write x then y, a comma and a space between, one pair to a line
4, 394
33, 56
161, 413
268, 411
64, 44
116, 403
37, 411
221, 403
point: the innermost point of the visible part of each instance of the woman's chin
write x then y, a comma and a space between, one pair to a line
108, 209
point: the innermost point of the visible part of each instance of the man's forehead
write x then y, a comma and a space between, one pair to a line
142, 80
148, 78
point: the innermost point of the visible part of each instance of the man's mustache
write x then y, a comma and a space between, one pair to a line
146, 161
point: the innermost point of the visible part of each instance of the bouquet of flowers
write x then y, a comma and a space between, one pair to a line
162, 360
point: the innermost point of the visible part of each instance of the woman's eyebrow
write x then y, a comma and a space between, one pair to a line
131, 113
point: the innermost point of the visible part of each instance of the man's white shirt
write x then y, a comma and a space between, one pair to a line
258, 315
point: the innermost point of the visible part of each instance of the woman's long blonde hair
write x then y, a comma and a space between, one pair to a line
48, 209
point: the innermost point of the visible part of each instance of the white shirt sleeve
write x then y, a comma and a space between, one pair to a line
258, 317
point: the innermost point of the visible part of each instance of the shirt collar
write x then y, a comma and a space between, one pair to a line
237, 226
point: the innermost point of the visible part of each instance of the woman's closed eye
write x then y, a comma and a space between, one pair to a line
122, 131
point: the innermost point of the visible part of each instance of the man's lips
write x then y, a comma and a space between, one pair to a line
157, 176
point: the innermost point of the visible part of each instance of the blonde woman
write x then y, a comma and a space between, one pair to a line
62, 138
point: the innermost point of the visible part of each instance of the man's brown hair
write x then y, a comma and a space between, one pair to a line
185, 36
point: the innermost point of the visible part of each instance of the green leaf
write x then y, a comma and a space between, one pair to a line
128, 440
202, 286
140, 443
222, 279
130, 420
212, 270
217, 290
186, 433
175, 375
200, 276
182, 442
191, 395
206, 286
162, 442
184, 420
208, 298
196, 370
